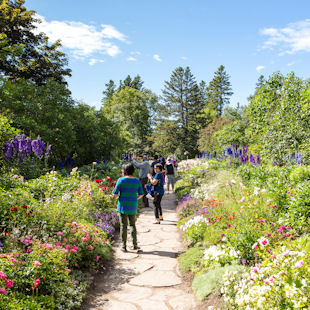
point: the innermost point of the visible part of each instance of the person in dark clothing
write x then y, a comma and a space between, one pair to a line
158, 181
156, 161
170, 173
162, 160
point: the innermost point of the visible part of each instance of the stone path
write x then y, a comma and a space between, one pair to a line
150, 279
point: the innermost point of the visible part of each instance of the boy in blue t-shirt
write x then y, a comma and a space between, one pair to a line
128, 189
158, 181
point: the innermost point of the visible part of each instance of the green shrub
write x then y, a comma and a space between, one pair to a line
20, 301
205, 283
182, 188
190, 260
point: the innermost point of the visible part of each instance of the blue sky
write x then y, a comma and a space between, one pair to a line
107, 39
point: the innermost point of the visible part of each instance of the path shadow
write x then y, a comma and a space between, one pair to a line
111, 280
173, 224
162, 253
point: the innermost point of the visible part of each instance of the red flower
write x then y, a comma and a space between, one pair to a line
24, 206
14, 209
98, 180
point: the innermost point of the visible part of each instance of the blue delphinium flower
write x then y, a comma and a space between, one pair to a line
290, 157
8, 151
298, 158
252, 159
15, 144
28, 146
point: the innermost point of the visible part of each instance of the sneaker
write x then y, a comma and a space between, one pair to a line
149, 196
123, 249
156, 222
161, 218
135, 247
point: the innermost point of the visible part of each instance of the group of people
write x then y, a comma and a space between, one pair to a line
129, 189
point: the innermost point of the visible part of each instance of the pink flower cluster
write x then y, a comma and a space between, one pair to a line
262, 241
35, 284
84, 190
8, 283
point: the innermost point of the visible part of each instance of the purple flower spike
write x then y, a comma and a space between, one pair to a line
48, 149
8, 151
28, 146
252, 159
20, 159
38, 146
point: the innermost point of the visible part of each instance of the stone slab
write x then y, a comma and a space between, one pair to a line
137, 266
126, 256
183, 302
128, 293
116, 305
152, 305
156, 278
166, 294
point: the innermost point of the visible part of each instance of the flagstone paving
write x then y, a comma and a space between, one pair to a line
150, 278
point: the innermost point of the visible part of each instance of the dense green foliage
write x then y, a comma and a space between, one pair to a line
279, 117
73, 129
25, 54
131, 109
275, 124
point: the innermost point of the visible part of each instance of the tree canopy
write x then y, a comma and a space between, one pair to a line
25, 54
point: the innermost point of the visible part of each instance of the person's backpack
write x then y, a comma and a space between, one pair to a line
170, 169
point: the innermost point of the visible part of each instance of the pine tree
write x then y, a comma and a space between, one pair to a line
219, 90
260, 83
184, 103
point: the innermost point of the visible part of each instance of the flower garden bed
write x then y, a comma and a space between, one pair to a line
55, 231
247, 229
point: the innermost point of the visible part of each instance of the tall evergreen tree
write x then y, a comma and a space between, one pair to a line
219, 90
109, 91
136, 83
260, 83
184, 103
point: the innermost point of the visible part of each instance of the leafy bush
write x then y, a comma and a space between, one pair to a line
191, 259
205, 283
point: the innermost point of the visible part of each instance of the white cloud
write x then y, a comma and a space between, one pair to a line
291, 64
93, 61
131, 58
157, 57
293, 38
259, 68
135, 53
110, 32
184, 58
82, 39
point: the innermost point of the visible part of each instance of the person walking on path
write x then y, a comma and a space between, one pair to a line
158, 181
170, 165
128, 189
144, 169
155, 162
